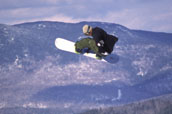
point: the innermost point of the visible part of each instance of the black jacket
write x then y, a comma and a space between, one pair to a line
99, 34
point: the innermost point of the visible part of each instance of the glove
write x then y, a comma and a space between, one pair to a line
105, 53
79, 51
102, 54
87, 50
100, 43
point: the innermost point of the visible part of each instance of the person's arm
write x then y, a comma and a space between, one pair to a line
98, 39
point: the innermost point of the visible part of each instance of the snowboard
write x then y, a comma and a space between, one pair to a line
69, 46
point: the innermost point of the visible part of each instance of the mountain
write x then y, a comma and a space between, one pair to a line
35, 74
160, 105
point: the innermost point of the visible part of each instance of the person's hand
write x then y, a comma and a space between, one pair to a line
100, 43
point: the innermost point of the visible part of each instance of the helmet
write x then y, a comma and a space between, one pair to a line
86, 29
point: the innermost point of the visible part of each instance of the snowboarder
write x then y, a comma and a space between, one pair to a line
102, 43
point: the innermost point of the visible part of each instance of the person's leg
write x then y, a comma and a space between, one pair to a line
100, 52
93, 46
86, 43
90, 44
82, 44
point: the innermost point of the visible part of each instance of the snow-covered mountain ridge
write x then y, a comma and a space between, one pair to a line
34, 72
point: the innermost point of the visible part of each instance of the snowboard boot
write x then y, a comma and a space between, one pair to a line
78, 51
99, 57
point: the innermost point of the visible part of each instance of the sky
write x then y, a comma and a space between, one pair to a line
150, 15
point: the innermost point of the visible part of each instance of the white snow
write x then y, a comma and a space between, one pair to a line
41, 26
119, 95
5, 31
12, 38
126, 31
34, 105
2, 105
87, 71
147, 47
142, 65
108, 81
26, 55
17, 63
166, 67
1, 45
144, 62
141, 73
67, 105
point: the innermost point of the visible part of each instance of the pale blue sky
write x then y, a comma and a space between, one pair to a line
152, 15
